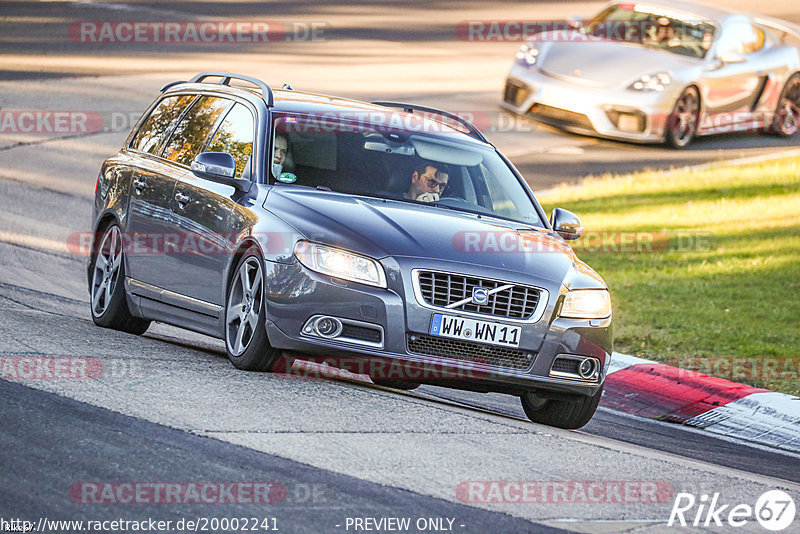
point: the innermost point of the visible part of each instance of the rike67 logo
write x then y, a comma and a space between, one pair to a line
774, 510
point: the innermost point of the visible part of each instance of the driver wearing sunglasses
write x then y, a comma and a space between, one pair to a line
428, 182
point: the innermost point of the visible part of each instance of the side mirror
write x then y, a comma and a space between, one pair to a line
731, 57
575, 21
218, 167
566, 224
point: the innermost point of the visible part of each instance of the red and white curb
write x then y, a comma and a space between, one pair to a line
659, 391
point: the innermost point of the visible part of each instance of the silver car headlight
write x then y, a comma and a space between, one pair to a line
340, 263
527, 55
652, 82
586, 304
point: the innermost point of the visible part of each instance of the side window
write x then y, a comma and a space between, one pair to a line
159, 124
742, 38
235, 136
755, 40
192, 133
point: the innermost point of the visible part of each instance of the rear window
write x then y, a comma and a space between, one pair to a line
160, 123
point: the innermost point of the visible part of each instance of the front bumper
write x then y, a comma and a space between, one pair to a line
295, 295
586, 108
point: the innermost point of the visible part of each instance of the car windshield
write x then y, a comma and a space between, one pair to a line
441, 170
654, 27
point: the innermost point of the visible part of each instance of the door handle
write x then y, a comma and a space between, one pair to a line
182, 200
139, 184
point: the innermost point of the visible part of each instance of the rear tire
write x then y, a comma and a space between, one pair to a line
569, 414
395, 384
787, 115
245, 317
107, 286
682, 122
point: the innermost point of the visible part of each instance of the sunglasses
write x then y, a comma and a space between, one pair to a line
434, 183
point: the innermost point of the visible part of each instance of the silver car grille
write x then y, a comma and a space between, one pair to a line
454, 291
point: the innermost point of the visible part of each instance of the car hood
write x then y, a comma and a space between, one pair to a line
609, 63
381, 228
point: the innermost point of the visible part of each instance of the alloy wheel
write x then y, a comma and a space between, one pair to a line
106, 271
686, 114
244, 306
788, 113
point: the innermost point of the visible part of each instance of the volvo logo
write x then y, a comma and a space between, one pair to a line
480, 295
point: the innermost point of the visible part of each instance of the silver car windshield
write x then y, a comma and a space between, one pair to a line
654, 27
440, 169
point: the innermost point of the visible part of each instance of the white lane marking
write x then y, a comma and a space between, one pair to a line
31, 241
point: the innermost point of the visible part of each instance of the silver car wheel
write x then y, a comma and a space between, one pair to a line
686, 110
788, 115
244, 306
106, 270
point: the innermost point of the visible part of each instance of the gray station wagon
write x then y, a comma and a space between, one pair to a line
297, 226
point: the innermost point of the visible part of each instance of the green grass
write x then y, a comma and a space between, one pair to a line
733, 297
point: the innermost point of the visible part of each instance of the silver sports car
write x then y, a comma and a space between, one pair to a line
660, 72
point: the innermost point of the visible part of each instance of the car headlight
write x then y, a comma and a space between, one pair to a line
652, 82
340, 263
527, 55
586, 304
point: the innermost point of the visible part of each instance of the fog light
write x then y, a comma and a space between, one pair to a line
587, 368
328, 327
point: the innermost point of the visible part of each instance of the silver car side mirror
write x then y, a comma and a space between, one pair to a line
732, 57
566, 224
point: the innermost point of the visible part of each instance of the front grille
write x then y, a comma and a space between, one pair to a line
469, 351
515, 93
560, 117
444, 289
361, 333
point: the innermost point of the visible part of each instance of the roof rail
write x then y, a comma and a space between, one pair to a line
266, 92
170, 84
472, 131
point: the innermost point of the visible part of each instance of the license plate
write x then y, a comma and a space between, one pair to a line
475, 330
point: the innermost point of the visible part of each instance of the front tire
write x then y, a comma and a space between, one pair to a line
682, 122
570, 413
107, 289
245, 317
787, 115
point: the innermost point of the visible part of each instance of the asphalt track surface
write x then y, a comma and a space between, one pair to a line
169, 407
